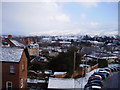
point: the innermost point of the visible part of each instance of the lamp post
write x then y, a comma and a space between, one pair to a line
74, 62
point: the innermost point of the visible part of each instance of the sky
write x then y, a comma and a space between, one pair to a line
60, 18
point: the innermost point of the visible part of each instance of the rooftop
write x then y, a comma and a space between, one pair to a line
16, 43
10, 54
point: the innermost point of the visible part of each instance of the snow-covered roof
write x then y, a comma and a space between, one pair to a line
59, 73
35, 81
65, 42
60, 83
16, 43
102, 56
10, 54
84, 65
34, 45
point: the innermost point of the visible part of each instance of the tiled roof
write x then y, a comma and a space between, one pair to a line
10, 54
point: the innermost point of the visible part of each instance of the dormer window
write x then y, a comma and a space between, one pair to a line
12, 69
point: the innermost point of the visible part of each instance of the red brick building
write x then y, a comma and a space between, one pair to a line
14, 68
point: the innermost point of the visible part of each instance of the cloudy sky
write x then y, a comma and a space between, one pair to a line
59, 18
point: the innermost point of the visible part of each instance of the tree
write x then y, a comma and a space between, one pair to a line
64, 61
102, 63
37, 66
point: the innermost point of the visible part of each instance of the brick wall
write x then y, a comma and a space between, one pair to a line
7, 76
94, 67
23, 73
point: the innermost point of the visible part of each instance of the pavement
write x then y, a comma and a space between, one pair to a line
112, 82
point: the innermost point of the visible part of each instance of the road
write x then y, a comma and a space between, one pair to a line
112, 82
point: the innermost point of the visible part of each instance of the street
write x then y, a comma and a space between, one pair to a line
112, 82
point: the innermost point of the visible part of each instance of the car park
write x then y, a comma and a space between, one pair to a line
95, 81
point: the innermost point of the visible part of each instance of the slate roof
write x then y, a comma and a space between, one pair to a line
10, 54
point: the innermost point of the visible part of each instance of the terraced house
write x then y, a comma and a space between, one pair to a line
14, 68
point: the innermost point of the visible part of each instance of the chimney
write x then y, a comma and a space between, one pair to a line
9, 36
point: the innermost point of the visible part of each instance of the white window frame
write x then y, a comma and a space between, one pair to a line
22, 81
12, 69
8, 86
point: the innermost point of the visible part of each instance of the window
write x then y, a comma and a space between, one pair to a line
23, 66
22, 83
12, 69
8, 85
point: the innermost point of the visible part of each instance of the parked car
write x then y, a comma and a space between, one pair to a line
97, 76
112, 69
108, 69
103, 75
92, 84
104, 72
118, 68
96, 81
94, 78
93, 87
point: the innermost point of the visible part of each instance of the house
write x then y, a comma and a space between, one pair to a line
9, 42
14, 68
103, 56
33, 49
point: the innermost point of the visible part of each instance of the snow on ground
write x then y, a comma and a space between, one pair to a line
35, 81
72, 83
60, 83
112, 65
80, 82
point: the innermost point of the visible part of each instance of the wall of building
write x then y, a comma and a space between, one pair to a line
0, 75
23, 73
33, 51
60, 76
7, 76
